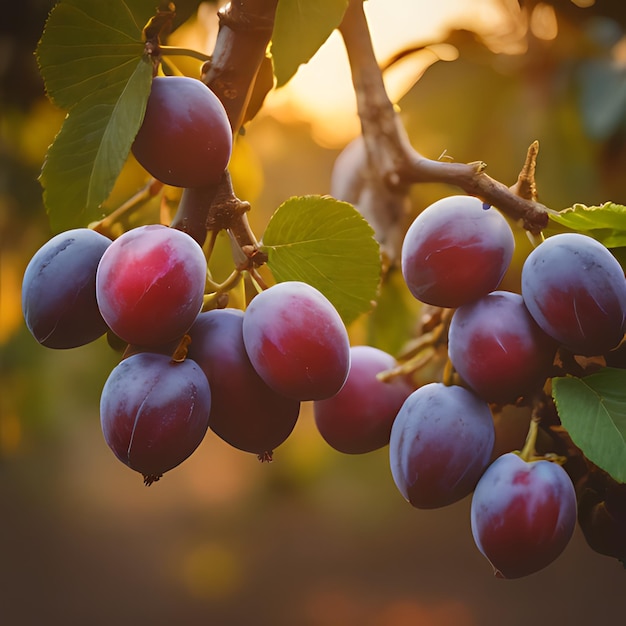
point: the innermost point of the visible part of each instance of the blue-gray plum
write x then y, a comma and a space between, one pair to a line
185, 139
441, 442
576, 291
498, 349
59, 290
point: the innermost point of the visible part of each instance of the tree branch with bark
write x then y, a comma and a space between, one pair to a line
393, 163
244, 34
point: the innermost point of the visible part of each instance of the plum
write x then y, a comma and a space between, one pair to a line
154, 412
59, 290
441, 442
296, 341
523, 514
498, 349
576, 291
456, 251
358, 419
245, 412
185, 139
150, 284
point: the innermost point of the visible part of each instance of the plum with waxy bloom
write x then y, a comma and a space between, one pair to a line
441, 443
150, 284
456, 251
523, 514
296, 341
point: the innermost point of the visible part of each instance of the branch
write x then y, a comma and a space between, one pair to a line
389, 150
193, 209
245, 30
244, 33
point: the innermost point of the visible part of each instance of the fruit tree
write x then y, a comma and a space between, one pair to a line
226, 329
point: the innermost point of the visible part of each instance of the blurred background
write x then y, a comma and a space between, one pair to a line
315, 538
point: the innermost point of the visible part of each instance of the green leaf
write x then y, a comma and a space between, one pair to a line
91, 57
89, 152
89, 46
300, 28
327, 244
606, 223
593, 411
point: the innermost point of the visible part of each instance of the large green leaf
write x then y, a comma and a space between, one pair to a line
91, 57
300, 28
328, 244
89, 45
606, 223
593, 410
87, 155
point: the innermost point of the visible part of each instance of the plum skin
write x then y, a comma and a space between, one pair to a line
59, 290
185, 139
456, 251
358, 419
245, 412
296, 341
154, 412
441, 442
576, 291
523, 514
498, 349
150, 284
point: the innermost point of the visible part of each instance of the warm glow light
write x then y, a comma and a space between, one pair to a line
321, 92
543, 22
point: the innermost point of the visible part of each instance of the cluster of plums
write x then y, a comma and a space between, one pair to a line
244, 374
502, 345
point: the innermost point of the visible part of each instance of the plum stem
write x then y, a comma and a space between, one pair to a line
422, 350
415, 363
218, 298
182, 349
176, 51
529, 451
105, 225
